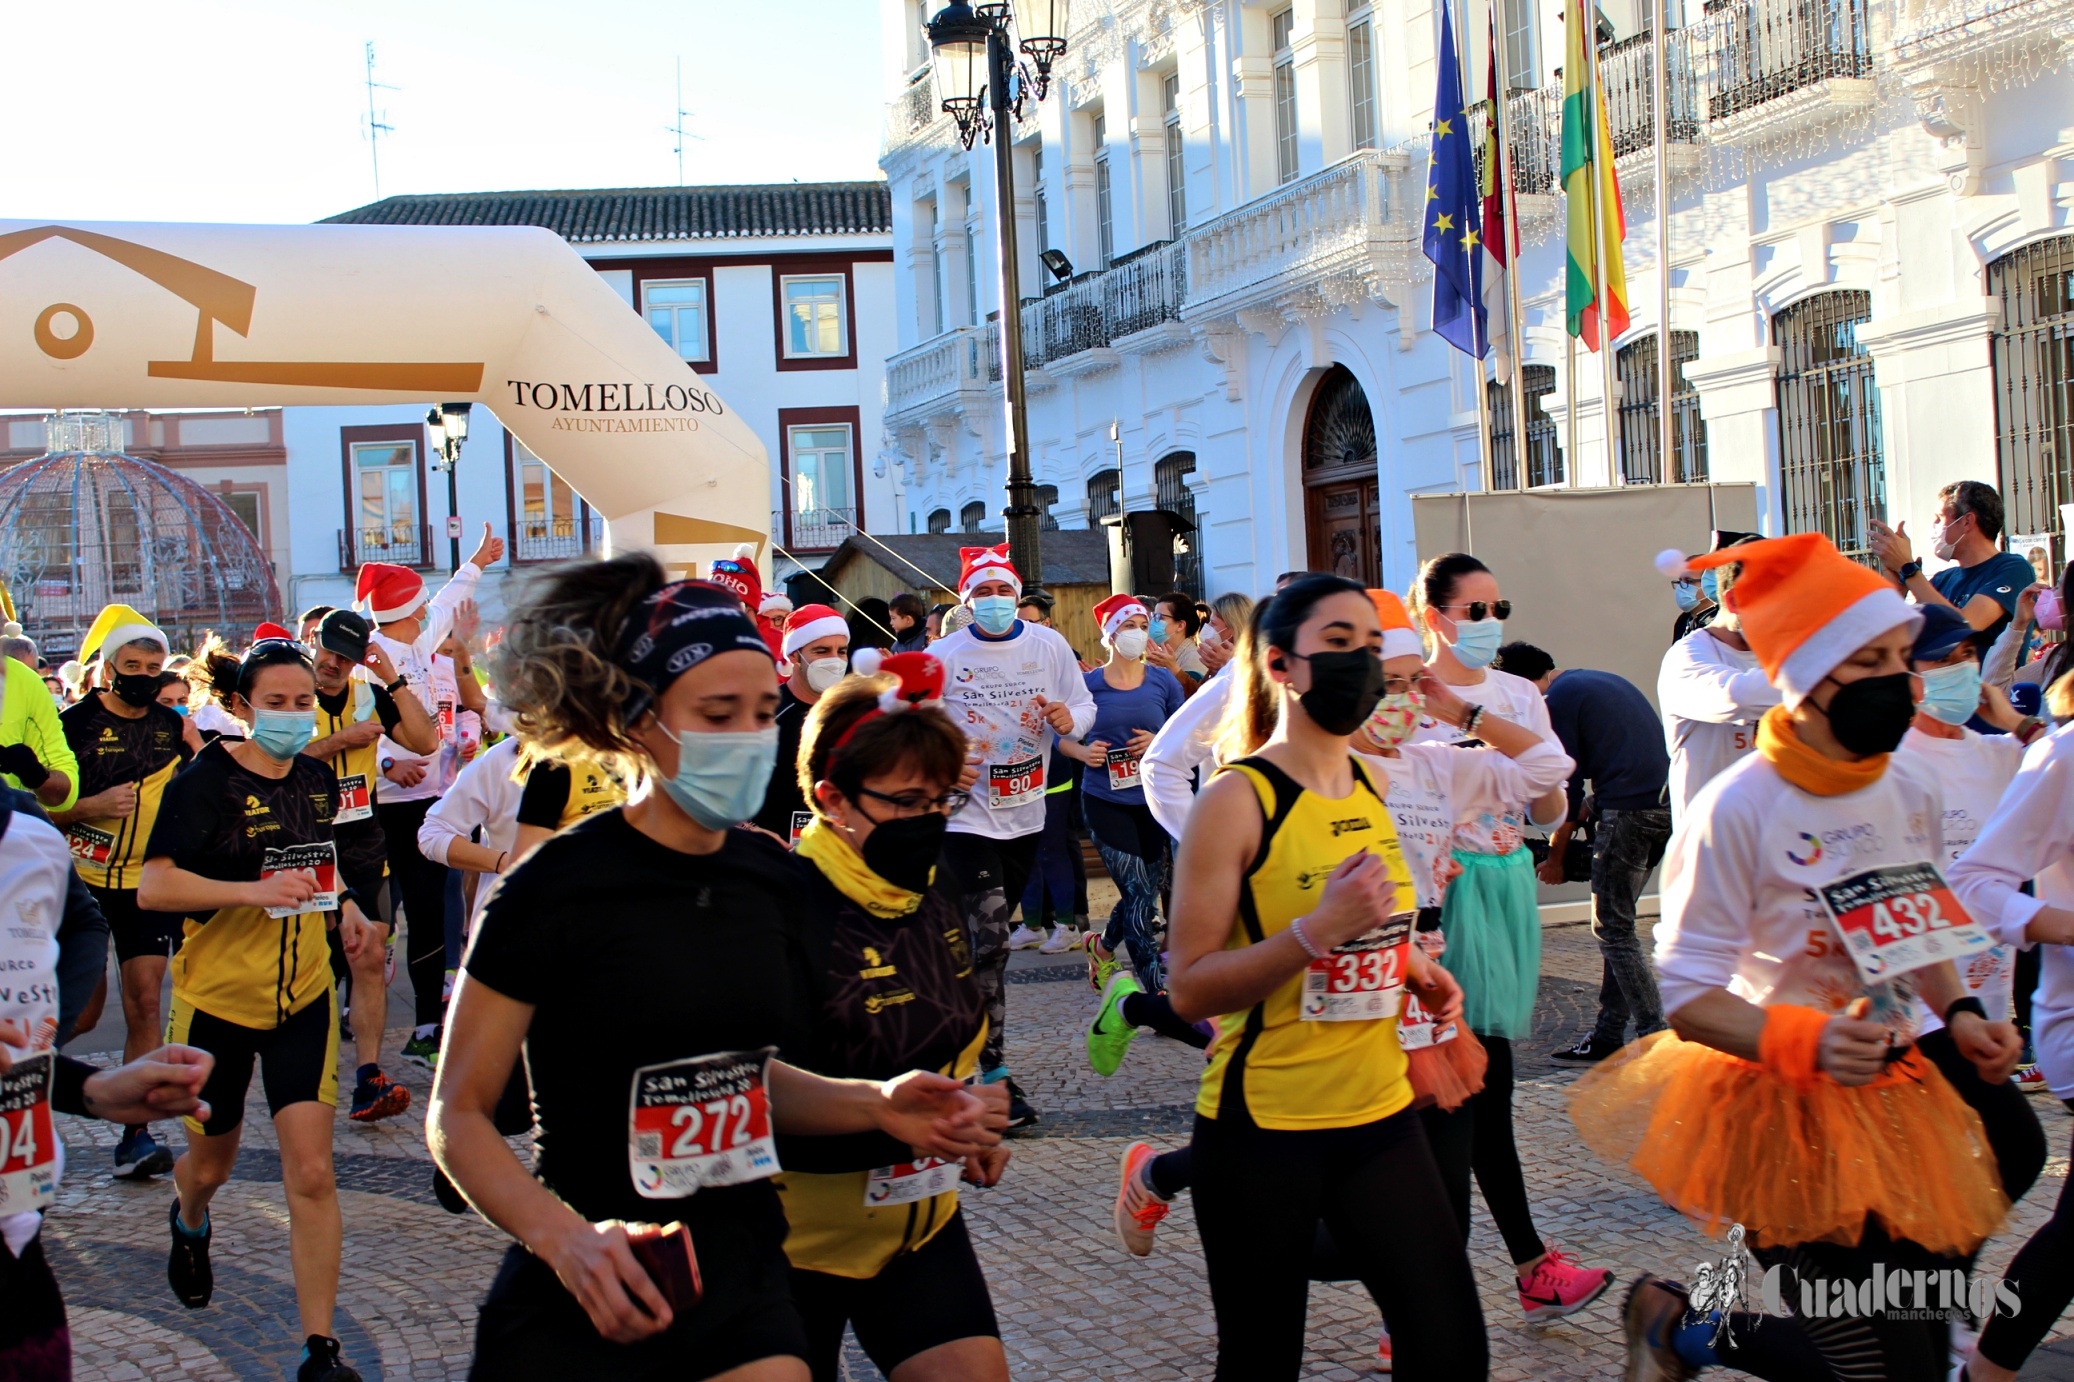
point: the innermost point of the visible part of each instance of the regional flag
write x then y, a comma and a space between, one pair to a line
1500, 231
1588, 155
1453, 235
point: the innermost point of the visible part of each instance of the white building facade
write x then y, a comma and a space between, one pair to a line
1871, 272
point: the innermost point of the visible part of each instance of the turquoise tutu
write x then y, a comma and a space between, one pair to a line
1492, 921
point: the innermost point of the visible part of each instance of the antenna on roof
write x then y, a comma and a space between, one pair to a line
678, 128
377, 125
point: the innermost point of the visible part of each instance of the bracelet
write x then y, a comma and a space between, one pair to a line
1472, 719
1303, 939
500, 861
2028, 729
397, 685
1968, 1004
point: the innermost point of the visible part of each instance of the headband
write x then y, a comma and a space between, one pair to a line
675, 629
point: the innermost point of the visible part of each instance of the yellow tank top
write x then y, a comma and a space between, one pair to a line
357, 769
1287, 1071
591, 789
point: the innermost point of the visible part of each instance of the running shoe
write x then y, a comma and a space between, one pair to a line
377, 1097
1109, 1040
1020, 1114
1101, 963
320, 1362
2031, 1080
1023, 938
1063, 938
422, 1050
187, 1268
1384, 1361
1589, 1050
139, 1157
1654, 1309
1138, 1206
1559, 1287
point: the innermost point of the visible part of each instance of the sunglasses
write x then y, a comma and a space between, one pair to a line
1478, 609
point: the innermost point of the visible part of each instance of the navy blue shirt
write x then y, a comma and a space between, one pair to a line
1610, 728
1117, 713
2001, 578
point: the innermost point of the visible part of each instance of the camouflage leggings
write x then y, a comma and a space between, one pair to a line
989, 873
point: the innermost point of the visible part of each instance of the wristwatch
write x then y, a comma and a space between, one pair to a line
397, 685
1910, 570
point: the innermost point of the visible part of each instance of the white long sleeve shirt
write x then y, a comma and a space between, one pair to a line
418, 663
35, 869
991, 690
1739, 908
1520, 701
2031, 837
484, 797
1711, 697
1187, 741
1432, 787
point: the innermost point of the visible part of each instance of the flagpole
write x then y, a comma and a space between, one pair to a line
1661, 94
1478, 389
1513, 316
1570, 395
1595, 91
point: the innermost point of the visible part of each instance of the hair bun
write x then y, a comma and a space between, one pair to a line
865, 661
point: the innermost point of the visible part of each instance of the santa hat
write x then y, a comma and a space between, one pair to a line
775, 602
809, 623
740, 575
919, 683
116, 625
1111, 613
270, 629
389, 592
1400, 639
1804, 607
976, 564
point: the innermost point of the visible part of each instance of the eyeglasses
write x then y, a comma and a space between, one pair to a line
916, 803
268, 647
1397, 686
1478, 609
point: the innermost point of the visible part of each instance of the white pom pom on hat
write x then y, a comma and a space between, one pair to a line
1671, 562
865, 661
745, 551
10, 629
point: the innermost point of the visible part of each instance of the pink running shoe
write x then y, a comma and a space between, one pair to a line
1138, 1206
1384, 1360
1560, 1287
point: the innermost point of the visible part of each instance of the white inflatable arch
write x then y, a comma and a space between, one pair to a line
134, 315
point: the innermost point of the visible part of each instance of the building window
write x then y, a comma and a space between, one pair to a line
1521, 68
1047, 500
549, 520
935, 276
1177, 184
973, 517
1636, 364
2033, 355
387, 523
1361, 80
1102, 497
677, 310
972, 273
1170, 487
939, 520
821, 465
1279, 26
1544, 448
245, 504
1105, 226
1040, 202
1830, 459
814, 325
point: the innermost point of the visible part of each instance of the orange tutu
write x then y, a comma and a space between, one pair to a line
1447, 1074
1726, 1142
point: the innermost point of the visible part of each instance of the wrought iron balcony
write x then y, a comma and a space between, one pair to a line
928, 378
555, 539
400, 544
1761, 50
911, 113
814, 529
1629, 71
1095, 310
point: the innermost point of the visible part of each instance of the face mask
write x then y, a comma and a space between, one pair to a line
1686, 594
1395, 719
181, 711
722, 777
1130, 643
282, 734
1710, 584
994, 613
904, 850
824, 672
1952, 694
1158, 632
1345, 687
1208, 637
1869, 716
1940, 541
1476, 641
136, 689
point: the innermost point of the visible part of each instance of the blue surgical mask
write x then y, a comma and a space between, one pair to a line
1157, 629
1951, 694
1476, 641
1710, 584
722, 777
994, 613
181, 711
282, 734
1686, 594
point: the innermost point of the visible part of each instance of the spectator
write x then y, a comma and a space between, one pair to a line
816, 644
908, 618
1987, 580
935, 620
1609, 727
306, 623
1711, 691
1174, 627
871, 624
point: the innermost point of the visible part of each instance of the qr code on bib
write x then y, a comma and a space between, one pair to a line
648, 1144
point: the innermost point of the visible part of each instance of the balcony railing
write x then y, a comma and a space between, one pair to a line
400, 544
1343, 212
1760, 50
1629, 71
939, 368
913, 110
1536, 120
555, 539
1132, 295
814, 530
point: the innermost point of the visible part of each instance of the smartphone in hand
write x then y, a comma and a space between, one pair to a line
672, 1263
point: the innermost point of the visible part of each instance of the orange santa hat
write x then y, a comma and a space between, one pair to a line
1804, 607
1400, 639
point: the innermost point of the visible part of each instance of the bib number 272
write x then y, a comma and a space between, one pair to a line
700, 1122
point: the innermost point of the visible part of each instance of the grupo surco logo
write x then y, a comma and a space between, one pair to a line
616, 407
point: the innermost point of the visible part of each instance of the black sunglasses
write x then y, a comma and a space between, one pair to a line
1478, 609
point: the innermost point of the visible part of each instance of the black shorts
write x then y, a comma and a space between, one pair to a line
298, 1060
138, 934
922, 1299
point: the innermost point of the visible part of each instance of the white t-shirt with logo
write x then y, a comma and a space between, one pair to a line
1430, 787
1501, 827
1973, 773
1711, 697
431, 679
990, 690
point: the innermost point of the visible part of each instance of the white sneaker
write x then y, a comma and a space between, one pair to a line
1023, 938
1063, 938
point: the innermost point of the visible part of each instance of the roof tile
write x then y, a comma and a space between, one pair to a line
585, 216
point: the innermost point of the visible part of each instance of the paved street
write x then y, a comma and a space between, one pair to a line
1073, 1306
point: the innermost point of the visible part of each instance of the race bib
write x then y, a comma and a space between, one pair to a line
800, 821
355, 802
1361, 980
1015, 784
1900, 918
1123, 769
1416, 1029
446, 720
320, 859
28, 1145
910, 1181
701, 1122
89, 846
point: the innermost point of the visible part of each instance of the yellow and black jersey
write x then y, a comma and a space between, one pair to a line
114, 750
221, 821
560, 794
1286, 1072
360, 843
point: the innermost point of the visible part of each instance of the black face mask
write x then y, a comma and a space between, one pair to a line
1345, 687
1870, 715
904, 849
136, 688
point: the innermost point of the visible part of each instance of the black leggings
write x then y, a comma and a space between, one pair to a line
2005, 1114
1495, 1155
1260, 1195
1156, 1010
422, 883
2043, 1277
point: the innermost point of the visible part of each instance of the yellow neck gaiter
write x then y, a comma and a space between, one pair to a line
1814, 773
826, 848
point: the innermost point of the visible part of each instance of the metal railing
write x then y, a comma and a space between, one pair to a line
1345, 207
1536, 121
555, 539
1137, 293
400, 544
913, 110
814, 530
1628, 68
940, 367
1760, 50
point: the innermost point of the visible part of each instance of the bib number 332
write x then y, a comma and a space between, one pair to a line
1901, 918
701, 1122
1362, 980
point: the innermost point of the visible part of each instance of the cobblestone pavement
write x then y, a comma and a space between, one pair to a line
1072, 1305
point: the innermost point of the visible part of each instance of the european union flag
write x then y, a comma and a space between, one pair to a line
1454, 234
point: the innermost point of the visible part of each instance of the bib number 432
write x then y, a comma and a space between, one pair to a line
1900, 918
701, 1122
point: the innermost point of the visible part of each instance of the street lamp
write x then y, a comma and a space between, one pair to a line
448, 424
983, 87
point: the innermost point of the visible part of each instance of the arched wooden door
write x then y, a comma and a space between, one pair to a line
1342, 496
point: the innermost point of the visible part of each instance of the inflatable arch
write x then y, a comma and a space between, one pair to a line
135, 315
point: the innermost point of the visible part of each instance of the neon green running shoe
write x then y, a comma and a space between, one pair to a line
1111, 1036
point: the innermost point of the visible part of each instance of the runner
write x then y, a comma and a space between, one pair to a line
556, 795
816, 642
1789, 1099
243, 847
354, 713
1010, 687
1710, 690
877, 1240
1290, 869
690, 945
1491, 916
33, 753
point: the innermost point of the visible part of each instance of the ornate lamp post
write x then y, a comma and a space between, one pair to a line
983, 86
448, 424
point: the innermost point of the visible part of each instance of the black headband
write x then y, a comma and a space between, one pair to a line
677, 628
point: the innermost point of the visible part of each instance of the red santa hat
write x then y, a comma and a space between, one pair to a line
919, 682
775, 603
270, 629
1111, 613
740, 575
389, 592
976, 564
809, 623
